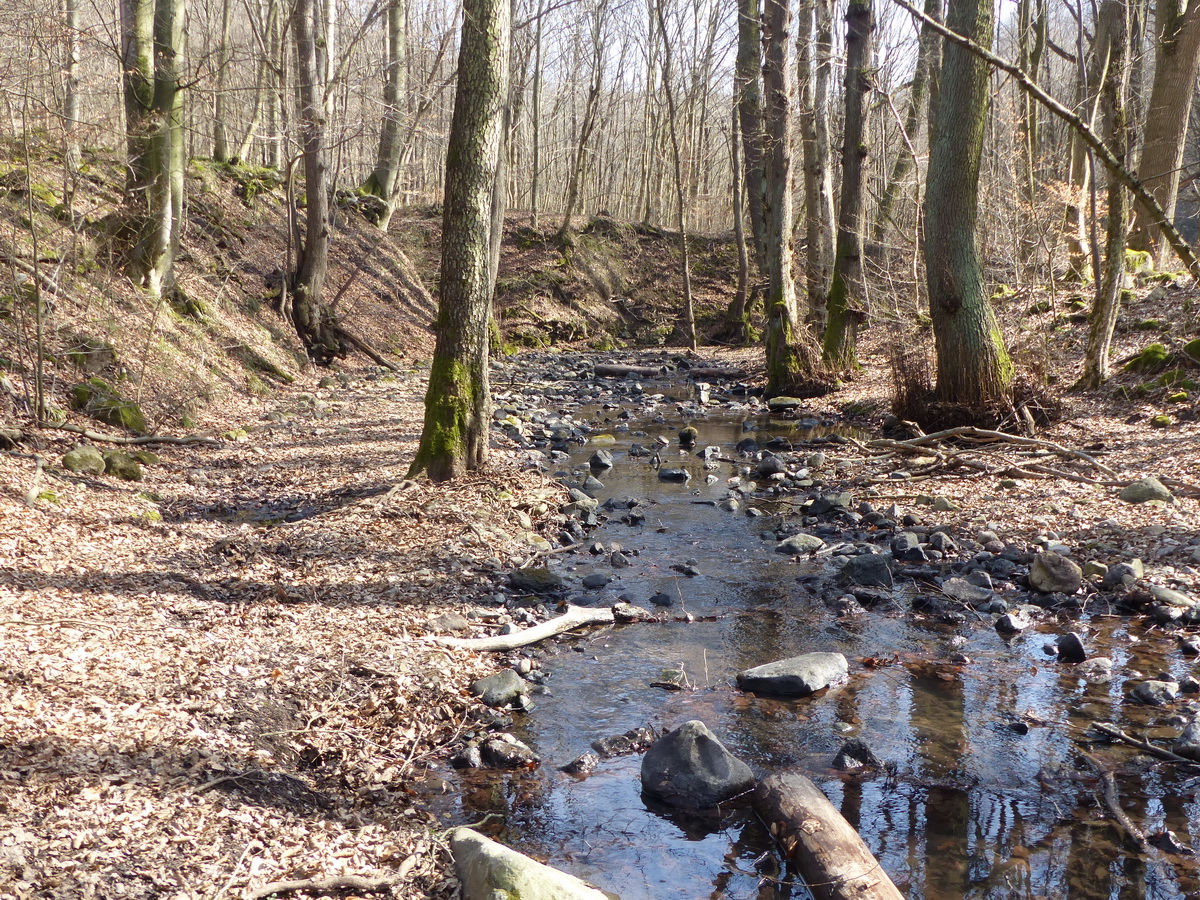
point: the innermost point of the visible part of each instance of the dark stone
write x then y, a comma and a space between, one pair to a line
1156, 693
690, 768
769, 465
855, 754
584, 764
1052, 573
506, 752
675, 475
633, 741
1070, 648
505, 688
907, 546
538, 580
661, 599
869, 569
595, 581
601, 459
747, 446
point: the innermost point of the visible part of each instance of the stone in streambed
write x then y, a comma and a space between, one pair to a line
965, 592
1052, 573
799, 544
798, 676
689, 767
1188, 742
488, 870
1070, 648
1156, 693
675, 475
855, 754
505, 688
538, 580
601, 459
503, 751
868, 570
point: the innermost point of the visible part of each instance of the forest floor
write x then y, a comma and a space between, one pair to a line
222, 676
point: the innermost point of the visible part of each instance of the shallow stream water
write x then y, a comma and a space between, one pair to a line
984, 793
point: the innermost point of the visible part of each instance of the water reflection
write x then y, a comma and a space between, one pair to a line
985, 796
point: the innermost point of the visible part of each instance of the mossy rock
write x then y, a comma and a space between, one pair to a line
1178, 397
84, 459
1161, 421
1153, 358
1138, 262
1077, 304
122, 465
145, 457
1003, 292
1192, 350
91, 354
1151, 325
1039, 308
1173, 377
101, 401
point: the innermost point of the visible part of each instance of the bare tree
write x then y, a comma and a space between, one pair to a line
382, 181
588, 122
814, 46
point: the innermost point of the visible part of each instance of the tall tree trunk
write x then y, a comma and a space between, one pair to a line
152, 33
1177, 61
382, 181
220, 150
737, 317
747, 88
973, 366
689, 309
913, 117
587, 123
314, 321
457, 404
847, 305
814, 47
71, 86
793, 357
1114, 95
277, 85
536, 125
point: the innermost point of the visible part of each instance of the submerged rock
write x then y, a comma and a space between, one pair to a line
488, 871
689, 767
855, 754
797, 676
675, 475
1156, 693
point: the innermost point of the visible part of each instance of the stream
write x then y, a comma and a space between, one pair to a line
983, 792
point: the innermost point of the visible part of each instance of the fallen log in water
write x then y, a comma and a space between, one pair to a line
819, 843
611, 370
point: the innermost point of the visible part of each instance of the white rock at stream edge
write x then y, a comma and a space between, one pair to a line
489, 871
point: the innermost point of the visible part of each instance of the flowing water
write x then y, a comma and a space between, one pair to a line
984, 793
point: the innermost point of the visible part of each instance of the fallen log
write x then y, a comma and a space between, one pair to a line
605, 370
574, 617
713, 372
818, 842
338, 884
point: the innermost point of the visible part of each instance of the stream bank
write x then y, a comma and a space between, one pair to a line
963, 681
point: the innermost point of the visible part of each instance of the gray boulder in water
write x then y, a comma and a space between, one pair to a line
795, 677
689, 767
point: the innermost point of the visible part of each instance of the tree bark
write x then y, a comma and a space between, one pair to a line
587, 123
314, 321
748, 97
1114, 95
819, 842
1177, 62
382, 180
793, 357
151, 35
738, 328
71, 119
536, 124
973, 366
454, 439
814, 46
913, 117
846, 306
220, 151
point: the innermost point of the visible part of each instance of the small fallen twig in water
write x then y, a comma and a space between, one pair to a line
1112, 731
334, 885
1113, 802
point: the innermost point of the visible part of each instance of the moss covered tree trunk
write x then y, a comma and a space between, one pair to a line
793, 357
814, 53
458, 402
151, 35
846, 306
973, 367
1113, 97
314, 321
382, 180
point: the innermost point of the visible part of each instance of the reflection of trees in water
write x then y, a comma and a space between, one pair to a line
515, 804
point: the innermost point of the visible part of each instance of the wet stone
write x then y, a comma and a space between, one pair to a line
869, 569
965, 592
1097, 670
907, 546
800, 544
633, 741
661, 599
689, 767
505, 688
1014, 621
855, 754
1070, 648
584, 764
595, 581
1052, 573
798, 676
504, 751
1156, 693
601, 459
536, 580
674, 475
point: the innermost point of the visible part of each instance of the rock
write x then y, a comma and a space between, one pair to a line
798, 676
1156, 693
505, 688
1098, 669
1124, 574
490, 871
661, 599
592, 486
537, 580
855, 754
101, 401
1188, 742
619, 560
965, 592
784, 404
814, 460
601, 459
626, 613
1014, 621
584, 764
729, 504
84, 459
770, 465
1149, 488
635, 740
447, 622
595, 581
869, 570
675, 475
799, 544
503, 751
1173, 598
945, 504
145, 457
1070, 648
939, 540
688, 437
1094, 569
906, 546
122, 465
689, 767
1052, 573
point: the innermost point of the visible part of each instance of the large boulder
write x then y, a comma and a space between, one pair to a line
1149, 488
85, 459
1052, 573
101, 401
490, 871
689, 767
795, 677
505, 688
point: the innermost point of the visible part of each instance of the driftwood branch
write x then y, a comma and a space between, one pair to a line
366, 349
922, 443
334, 885
1113, 802
574, 617
820, 843
145, 439
1181, 247
1112, 731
